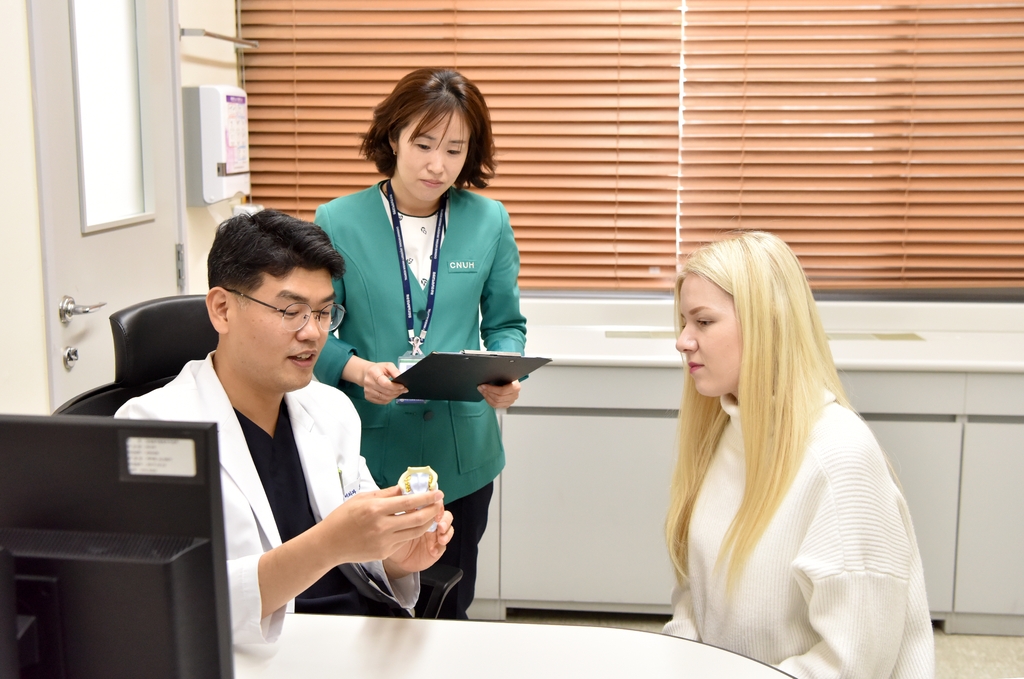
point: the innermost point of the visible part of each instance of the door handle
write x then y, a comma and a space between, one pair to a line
68, 308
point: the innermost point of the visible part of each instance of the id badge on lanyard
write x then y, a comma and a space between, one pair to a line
406, 361
411, 357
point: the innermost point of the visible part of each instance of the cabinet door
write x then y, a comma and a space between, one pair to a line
926, 459
583, 508
990, 554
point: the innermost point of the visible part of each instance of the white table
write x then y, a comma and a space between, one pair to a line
350, 646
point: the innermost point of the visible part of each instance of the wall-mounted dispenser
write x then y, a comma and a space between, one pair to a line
216, 143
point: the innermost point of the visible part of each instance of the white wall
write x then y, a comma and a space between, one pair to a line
23, 376
206, 61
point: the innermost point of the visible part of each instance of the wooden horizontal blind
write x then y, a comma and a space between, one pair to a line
584, 99
884, 140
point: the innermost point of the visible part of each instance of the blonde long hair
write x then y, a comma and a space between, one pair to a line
785, 366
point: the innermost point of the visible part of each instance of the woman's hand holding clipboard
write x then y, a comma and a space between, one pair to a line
454, 376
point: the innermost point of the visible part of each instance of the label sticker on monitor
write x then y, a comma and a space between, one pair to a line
161, 457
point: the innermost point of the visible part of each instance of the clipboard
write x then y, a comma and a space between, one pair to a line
454, 376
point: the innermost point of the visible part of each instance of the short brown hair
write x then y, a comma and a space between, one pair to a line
433, 95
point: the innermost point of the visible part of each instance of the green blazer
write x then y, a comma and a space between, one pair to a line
477, 296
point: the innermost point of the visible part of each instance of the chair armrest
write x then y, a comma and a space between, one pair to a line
440, 579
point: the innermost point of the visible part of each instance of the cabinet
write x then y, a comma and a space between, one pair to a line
990, 558
583, 509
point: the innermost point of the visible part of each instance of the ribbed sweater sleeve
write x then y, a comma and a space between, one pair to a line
855, 562
682, 623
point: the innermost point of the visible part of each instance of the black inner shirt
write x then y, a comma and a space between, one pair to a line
280, 468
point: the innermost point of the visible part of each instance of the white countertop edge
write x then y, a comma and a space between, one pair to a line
935, 366
617, 361
893, 365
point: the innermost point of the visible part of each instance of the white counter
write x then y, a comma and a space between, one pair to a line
864, 336
941, 385
654, 346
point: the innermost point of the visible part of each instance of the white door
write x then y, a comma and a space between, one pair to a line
107, 115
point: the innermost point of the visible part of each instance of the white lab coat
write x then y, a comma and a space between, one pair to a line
327, 433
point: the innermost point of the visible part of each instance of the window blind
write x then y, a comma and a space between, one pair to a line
584, 100
884, 140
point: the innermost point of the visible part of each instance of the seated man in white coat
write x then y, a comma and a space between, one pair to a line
306, 527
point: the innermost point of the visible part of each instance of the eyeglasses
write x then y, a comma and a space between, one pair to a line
295, 316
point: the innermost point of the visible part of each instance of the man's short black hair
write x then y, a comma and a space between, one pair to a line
269, 242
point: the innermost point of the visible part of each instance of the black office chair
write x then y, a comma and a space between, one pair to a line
152, 342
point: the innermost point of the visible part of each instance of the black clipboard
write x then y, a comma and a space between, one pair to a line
454, 376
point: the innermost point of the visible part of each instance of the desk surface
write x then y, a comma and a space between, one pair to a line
351, 646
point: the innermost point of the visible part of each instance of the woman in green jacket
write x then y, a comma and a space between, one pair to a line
456, 284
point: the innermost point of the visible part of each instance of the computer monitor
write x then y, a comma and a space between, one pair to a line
117, 535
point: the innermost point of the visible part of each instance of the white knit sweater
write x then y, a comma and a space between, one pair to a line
834, 588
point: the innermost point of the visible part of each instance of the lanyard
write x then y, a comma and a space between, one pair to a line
396, 222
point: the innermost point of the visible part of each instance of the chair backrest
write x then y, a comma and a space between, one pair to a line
153, 341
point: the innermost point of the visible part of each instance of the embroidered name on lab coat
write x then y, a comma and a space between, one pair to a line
462, 267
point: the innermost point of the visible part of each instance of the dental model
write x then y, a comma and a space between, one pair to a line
419, 480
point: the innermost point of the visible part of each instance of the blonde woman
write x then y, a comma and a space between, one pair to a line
790, 540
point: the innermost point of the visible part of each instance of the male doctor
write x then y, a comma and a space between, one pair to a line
306, 527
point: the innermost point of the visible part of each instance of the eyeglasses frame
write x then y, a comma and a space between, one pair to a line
319, 313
